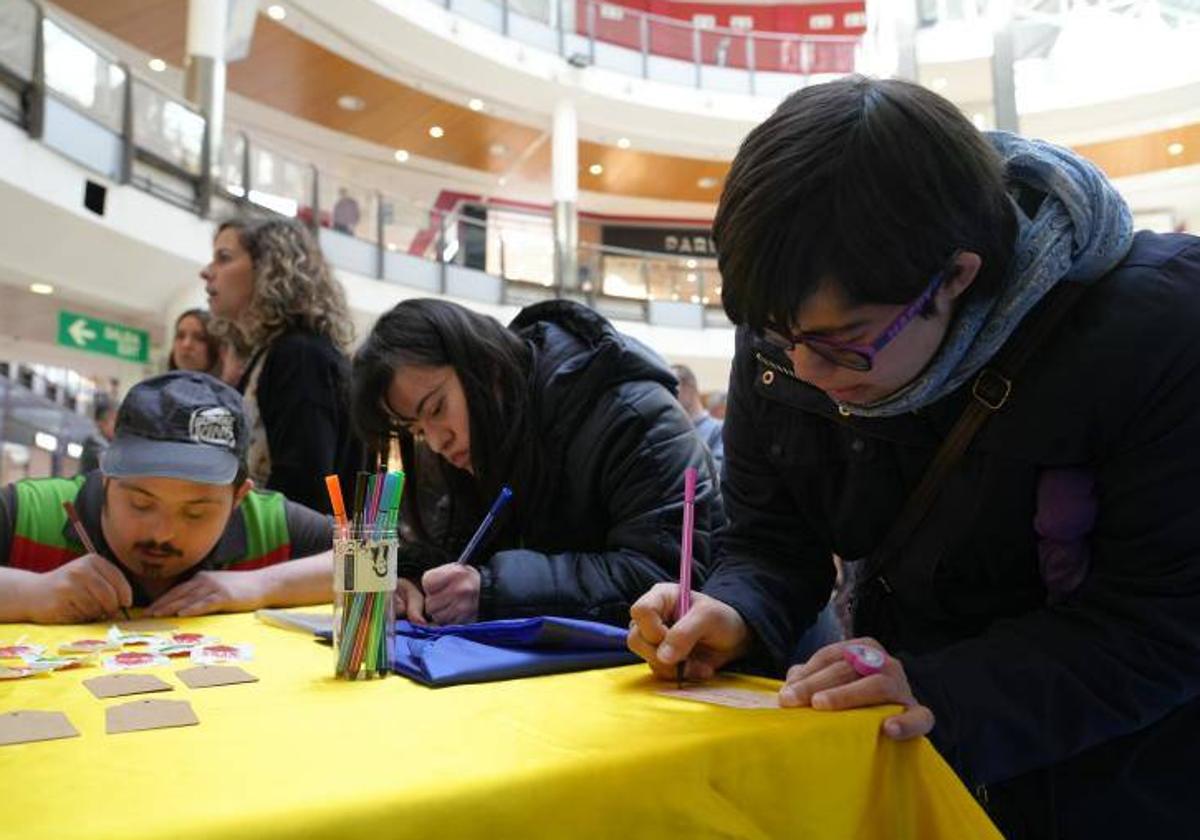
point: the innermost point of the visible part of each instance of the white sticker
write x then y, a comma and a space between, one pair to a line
364, 566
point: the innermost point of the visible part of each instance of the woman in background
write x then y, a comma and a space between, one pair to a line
268, 277
194, 347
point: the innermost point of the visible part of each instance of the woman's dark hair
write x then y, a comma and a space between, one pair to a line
494, 366
211, 342
870, 185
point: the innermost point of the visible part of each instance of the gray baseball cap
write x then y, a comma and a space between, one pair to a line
183, 425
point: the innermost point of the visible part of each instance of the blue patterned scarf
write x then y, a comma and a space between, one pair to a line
1081, 231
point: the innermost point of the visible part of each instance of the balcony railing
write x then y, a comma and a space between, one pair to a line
637, 43
90, 107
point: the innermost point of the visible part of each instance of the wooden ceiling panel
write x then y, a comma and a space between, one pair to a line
294, 75
1148, 152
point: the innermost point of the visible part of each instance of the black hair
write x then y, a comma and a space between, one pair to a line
211, 342
868, 185
494, 366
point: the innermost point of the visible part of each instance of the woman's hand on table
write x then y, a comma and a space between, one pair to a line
451, 593
709, 636
828, 681
210, 592
410, 601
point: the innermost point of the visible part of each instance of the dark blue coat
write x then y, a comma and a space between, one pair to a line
1074, 708
608, 516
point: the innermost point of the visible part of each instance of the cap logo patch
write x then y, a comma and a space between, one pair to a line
213, 426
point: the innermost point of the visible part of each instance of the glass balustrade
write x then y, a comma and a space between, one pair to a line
157, 129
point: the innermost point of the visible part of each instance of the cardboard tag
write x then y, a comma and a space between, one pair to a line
146, 625
208, 676
734, 698
121, 685
148, 714
23, 727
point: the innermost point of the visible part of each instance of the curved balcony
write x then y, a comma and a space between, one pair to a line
666, 49
90, 107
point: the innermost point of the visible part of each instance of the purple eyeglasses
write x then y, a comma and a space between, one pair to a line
859, 357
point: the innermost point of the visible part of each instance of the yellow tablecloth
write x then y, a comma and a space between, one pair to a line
593, 754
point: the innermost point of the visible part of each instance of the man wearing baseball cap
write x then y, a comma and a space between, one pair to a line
176, 525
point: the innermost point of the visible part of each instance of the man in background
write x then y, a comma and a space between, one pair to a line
707, 427
105, 414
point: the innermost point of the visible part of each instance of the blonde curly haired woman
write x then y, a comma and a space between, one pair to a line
268, 277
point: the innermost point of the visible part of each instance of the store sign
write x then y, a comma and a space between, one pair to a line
691, 242
81, 332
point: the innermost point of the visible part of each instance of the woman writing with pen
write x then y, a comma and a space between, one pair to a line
577, 419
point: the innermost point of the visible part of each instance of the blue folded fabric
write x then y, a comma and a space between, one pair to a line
505, 649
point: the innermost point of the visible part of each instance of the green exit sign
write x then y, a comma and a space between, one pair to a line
81, 332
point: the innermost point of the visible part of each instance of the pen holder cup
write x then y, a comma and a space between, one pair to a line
364, 612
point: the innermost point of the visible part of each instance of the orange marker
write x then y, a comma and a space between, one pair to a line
334, 486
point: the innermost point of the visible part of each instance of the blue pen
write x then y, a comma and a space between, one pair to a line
486, 525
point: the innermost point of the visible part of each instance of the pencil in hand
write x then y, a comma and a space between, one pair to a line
684, 602
88, 545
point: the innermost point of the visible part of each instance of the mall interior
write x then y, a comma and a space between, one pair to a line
641, 176
491, 152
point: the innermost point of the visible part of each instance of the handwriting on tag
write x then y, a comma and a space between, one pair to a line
734, 698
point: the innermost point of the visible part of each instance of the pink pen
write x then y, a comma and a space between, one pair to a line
684, 602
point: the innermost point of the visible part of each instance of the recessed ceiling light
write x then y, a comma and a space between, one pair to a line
498, 150
623, 143
351, 103
401, 155
157, 65
436, 131
41, 288
596, 169
690, 263
707, 182
502, 180
276, 12
475, 104
1175, 149
939, 83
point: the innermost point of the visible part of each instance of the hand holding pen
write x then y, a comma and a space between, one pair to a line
452, 591
681, 633
85, 589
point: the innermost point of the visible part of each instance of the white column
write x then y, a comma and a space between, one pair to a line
204, 84
889, 47
1004, 83
564, 185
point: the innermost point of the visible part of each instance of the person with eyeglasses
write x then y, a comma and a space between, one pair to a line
960, 370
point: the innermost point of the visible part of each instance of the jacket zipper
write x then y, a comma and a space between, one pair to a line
778, 368
775, 366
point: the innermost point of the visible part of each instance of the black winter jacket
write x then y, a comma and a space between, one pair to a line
616, 442
1076, 712
304, 404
